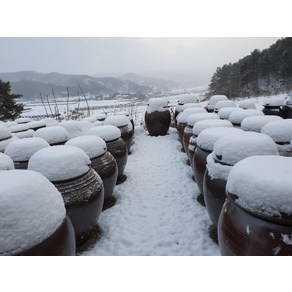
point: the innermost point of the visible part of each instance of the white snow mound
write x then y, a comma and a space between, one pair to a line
210, 123
54, 134
256, 123
236, 117
194, 118
106, 132
182, 117
6, 163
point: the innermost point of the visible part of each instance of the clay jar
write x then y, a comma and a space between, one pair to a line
205, 143
183, 100
256, 218
102, 161
54, 135
213, 100
5, 138
227, 151
34, 220
74, 128
281, 132
287, 110
129, 116
81, 187
157, 117
125, 126
273, 106
236, 117
115, 145
256, 123
21, 150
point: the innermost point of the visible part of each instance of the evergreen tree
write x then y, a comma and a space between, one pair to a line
9, 109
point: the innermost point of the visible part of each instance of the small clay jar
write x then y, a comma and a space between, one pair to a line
157, 117
256, 218
212, 102
236, 117
34, 221
21, 150
54, 135
80, 186
256, 123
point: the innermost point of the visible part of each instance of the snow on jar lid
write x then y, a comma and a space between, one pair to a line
106, 132
183, 116
19, 128
180, 108
93, 146
224, 104
90, 119
225, 112
24, 134
247, 104
274, 101
6, 163
22, 120
50, 122
256, 123
279, 131
118, 121
85, 125
194, 118
36, 124
100, 116
262, 185
205, 124
53, 135
97, 123
73, 128
208, 137
156, 104
4, 143
31, 210
214, 99
187, 98
5, 133
9, 124
23, 149
236, 117
123, 113
233, 148
59, 163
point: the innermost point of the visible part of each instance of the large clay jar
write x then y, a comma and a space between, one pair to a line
129, 116
273, 106
21, 150
157, 117
281, 133
224, 104
5, 137
227, 151
81, 187
115, 145
213, 100
236, 117
225, 112
6, 163
55, 135
125, 126
21, 131
102, 161
205, 143
33, 217
183, 100
256, 123
256, 217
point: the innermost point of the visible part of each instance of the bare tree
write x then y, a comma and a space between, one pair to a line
56, 107
49, 105
43, 104
88, 109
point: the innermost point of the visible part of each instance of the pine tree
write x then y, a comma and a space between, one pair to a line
9, 109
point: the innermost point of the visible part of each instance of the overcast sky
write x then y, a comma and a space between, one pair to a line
195, 57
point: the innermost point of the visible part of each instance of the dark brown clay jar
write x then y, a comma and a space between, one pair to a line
273, 110
157, 122
180, 130
60, 243
105, 165
127, 135
241, 233
188, 133
191, 149
83, 197
287, 111
20, 164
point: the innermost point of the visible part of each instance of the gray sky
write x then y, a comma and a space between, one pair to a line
194, 58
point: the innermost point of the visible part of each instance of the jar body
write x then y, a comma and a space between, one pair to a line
127, 135
188, 133
20, 164
273, 110
287, 111
241, 233
157, 123
180, 130
191, 150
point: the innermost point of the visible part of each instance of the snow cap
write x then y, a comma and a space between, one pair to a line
90, 119
247, 104
274, 101
214, 99
50, 122
118, 121
224, 104
5, 133
73, 128
280, 131
256, 123
19, 128
23, 149
100, 116
25, 134
36, 124
209, 123
97, 123
53, 135
217, 170
236, 117
106, 132
85, 125
187, 98
157, 104
60, 162
194, 118
22, 120
93, 146
4, 143
226, 111
10, 124
183, 116
263, 185
208, 137
6, 163
31, 210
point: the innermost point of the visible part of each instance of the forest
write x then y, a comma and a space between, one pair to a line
265, 72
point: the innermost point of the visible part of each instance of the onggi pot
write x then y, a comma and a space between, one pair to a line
256, 218
236, 117
213, 100
183, 100
54, 135
256, 123
273, 106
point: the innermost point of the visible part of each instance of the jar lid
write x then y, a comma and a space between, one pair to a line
183, 116
256, 123
4, 143
262, 186
22, 120
93, 146
19, 128
217, 170
156, 104
6, 163
214, 99
224, 104
194, 118
236, 117
5, 133
73, 128
210, 123
24, 134
50, 122
23, 149
31, 210
53, 135
208, 137
233, 148
59, 163
279, 131
90, 119
225, 112
106, 132
118, 121
36, 124
274, 101
187, 98
247, 104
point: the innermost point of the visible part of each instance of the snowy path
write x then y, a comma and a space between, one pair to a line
156, 211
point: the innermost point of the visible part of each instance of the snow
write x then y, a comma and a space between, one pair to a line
224, 104
183, 116
36, 124
93, 146
6, 163
225, 112
236, 117
279, 131
123, 113
53, 135
189, 105
23, 149
194, 118
60, 162
10, 124
156, 104
118, 121
263, 184
256, 123
217, 170
73, 127
155, 213
208, 137
247, 104
19, 128
209, 123
97, 123
106, 132
214, 99
99, 116
4, 143
90, 119
5, 133
50, 122
25, 134
233, 148
31, 209
276, 101
187, 98
22, 120
85, 125
287, 238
